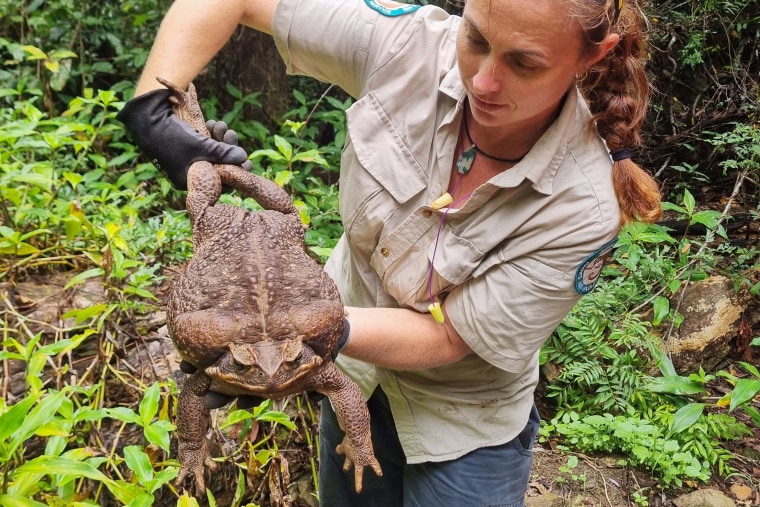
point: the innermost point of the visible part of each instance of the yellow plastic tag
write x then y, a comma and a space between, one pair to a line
442, 201
436, 311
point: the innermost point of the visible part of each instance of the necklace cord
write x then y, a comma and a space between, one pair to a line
477, 148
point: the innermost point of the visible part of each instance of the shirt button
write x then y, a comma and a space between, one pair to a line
385, 252
427, 213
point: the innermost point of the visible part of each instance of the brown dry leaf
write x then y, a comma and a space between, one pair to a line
279, 479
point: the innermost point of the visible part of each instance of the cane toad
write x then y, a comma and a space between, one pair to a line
252, 311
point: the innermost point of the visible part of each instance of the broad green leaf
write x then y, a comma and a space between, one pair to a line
282, 178
60, 466
17, 501
311, 156
124, 414
744, 390
752, 369
277, 417
187, 501
60, 54
149, 403
661, 306
164, 476
139, 463
37, 417
689, 201
270, 154
20, 249
142, 500
84, 275
34, 53
12, 420
669, 206
674, 385
52, 65
284, 147
158, 434
82, 314
686, 416
73, 470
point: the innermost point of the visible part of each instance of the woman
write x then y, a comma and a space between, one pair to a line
479, 191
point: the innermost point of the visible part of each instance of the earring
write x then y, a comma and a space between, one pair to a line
579, 77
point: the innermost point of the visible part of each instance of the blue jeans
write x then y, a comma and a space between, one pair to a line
487, 477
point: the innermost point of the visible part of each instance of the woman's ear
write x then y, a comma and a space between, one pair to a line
602, 49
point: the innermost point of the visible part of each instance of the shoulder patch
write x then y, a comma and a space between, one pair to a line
390, 8
589, 270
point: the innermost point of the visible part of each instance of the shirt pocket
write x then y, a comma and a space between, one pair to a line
379, 173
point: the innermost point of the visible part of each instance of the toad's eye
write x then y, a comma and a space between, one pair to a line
238, 367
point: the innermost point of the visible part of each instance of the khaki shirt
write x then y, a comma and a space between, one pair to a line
510, 264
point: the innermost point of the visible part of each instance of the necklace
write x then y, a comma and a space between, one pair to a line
465, 160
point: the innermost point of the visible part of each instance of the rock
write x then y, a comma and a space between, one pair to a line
545, 500
704, 498
712, 311
742, 492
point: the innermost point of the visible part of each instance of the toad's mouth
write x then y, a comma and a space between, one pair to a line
272, 378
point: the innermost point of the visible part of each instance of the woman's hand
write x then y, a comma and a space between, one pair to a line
172, 144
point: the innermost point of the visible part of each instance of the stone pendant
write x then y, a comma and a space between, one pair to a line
464, 162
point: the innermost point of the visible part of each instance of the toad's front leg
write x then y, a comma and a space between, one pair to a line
193, 421
353, 418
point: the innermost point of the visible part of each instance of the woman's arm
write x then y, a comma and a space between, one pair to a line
193, 31
402, 339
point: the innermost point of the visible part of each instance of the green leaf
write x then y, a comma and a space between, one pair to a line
12, 420
744, 391
688, 201
158, 434
124, 414
270, 154
139, 463
142, 500
60, 466
34, 53
17, 501
82, 314
277, 417
37, 417
751, 368
282, 178
669, 206
84, 275
74, 469
661, 306
686, 416
284, 147
149, 404
674, 385
164, 476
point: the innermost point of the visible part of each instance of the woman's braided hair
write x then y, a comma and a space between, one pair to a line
617, 91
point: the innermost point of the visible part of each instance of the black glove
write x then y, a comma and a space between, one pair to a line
221, 132
344, 339
172, 144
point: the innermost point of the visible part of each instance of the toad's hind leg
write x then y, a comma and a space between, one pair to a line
265, 192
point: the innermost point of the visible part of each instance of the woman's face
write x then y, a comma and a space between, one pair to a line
517, 58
